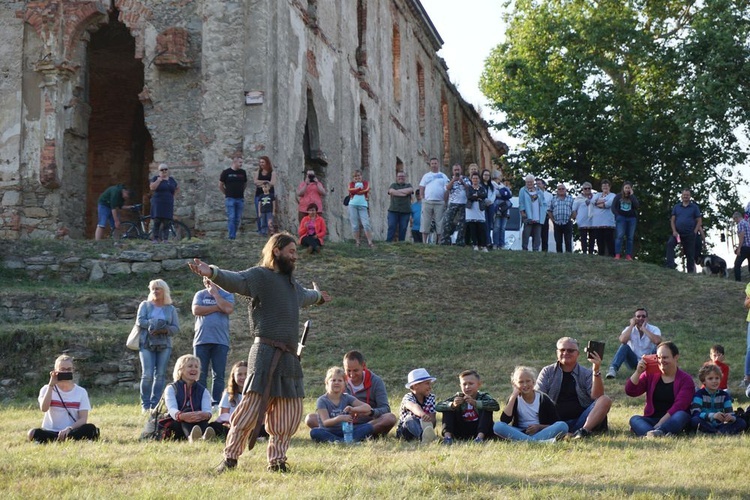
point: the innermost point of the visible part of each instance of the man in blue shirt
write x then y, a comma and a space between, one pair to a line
211, 308
687, 222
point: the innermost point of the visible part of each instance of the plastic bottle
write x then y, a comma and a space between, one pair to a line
348, 429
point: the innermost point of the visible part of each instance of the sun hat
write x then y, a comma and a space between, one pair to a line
418, 375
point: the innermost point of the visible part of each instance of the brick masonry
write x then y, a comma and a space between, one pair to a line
174, 92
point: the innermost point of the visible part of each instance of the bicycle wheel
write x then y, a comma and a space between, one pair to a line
178, 231
127, 231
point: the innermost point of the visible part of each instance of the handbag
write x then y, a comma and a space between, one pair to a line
346, 200
134, 339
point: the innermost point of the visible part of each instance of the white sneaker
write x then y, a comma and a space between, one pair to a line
195, 434
484, 249
428, 433
611, 373
476, 248
208, 434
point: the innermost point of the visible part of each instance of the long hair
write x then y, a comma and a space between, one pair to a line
489, 185
269, 165
278, 240
233, 389
159, 283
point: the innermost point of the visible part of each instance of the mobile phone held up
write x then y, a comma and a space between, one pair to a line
64, 375
594, 346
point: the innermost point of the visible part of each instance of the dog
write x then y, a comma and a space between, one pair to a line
713, 264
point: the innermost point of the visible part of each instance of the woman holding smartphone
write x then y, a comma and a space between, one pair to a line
66, 407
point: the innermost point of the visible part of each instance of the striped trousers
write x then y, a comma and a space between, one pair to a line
283, 416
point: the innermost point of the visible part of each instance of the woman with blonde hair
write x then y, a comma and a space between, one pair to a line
66, 407
188, 402
157, 319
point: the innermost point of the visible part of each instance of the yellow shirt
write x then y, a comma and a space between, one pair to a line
747, 293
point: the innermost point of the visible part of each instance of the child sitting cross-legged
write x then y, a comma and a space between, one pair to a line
529, 415
334, 408
417, 412
711, 411
467, 415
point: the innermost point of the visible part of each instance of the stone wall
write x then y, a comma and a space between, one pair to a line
343, 85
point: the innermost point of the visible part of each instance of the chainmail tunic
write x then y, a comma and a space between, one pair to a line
273, 309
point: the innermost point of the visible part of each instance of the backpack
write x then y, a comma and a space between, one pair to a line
160, 425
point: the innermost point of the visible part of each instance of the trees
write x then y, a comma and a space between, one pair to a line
648, 91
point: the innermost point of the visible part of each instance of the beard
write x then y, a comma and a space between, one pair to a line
284, 265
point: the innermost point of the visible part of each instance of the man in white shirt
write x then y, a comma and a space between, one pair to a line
433, 194
637, 339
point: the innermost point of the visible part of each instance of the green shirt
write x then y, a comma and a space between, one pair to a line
400, 204
112, 197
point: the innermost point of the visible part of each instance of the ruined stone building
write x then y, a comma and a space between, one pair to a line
93, 91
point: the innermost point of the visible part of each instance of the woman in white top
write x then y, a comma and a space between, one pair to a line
66, 407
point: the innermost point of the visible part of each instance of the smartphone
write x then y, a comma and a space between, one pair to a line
64, 375
595, 346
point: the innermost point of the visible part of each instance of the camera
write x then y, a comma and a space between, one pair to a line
311, 177
64, 375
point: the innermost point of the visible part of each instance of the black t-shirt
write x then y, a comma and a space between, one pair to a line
663, 398
567, 404
234, 182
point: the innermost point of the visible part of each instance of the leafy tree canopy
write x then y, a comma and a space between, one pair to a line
651, 91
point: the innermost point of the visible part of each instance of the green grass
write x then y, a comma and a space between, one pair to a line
406, 306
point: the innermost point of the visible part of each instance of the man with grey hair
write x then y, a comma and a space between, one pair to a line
533, 210
578, 393
582, 212
432, 192
560, 212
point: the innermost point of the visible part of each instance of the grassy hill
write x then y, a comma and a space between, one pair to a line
406, 306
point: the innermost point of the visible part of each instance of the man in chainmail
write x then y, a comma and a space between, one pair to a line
274, 386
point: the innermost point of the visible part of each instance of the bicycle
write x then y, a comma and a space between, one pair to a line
142, 229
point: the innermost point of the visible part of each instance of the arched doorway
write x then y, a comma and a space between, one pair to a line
119, 144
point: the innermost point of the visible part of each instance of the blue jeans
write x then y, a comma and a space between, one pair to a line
234, 207
325, 435
625, 354
154, 367
489, 217
674, 424
515, 434
397, 219
498, 231
265, 220
216, 355
576, 423
626, 229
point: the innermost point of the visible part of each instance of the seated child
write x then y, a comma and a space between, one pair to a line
717, 357
335, 407
417, 412
312, 230
711, 411
529, 415
230, 399
468, 415
66, 407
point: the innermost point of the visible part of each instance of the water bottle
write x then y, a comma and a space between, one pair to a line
348, 429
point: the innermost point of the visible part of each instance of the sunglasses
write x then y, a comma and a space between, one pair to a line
163, 169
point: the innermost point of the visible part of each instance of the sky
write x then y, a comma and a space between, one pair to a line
469, 34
